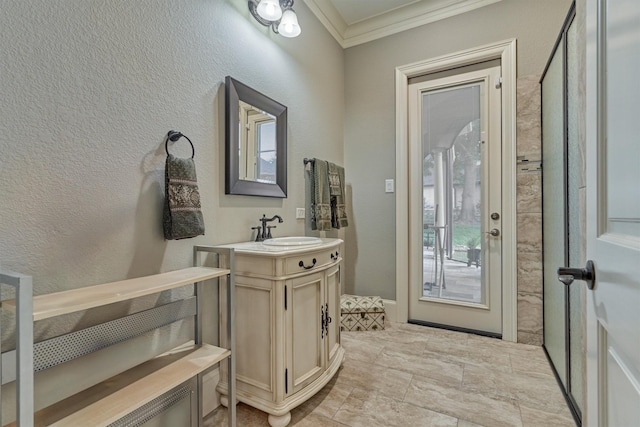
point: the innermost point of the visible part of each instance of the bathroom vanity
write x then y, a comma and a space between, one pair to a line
287, 313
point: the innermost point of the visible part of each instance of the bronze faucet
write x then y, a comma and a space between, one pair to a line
263, 234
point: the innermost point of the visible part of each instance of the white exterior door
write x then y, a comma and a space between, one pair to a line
613, 212
455, 201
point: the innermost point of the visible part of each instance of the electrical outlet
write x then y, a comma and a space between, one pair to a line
388, 186
299, 213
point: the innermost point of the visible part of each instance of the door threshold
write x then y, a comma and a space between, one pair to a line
455, 328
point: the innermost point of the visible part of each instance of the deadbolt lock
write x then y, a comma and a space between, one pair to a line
495, 216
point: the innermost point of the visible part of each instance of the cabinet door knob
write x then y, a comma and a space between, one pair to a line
326, 319
335, 257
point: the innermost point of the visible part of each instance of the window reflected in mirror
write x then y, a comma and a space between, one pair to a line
257, 144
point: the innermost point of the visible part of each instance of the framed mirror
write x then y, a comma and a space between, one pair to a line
256, 142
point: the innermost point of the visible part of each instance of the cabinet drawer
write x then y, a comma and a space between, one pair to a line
248, 265
311, 261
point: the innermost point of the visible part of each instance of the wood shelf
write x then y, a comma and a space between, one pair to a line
113, 399
137, 384
65, 302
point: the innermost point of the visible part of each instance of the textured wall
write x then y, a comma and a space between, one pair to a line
90, 88
370, 116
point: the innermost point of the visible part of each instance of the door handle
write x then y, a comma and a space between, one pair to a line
494, 232
588, 274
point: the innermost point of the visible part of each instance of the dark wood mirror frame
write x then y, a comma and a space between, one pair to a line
235, 92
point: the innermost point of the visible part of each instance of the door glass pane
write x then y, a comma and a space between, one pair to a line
452, 196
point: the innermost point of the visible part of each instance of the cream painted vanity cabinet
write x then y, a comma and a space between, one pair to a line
287, 313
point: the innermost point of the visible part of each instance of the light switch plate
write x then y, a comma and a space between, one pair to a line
388, 186
299, 213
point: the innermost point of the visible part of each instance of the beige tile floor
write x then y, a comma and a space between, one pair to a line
409, 375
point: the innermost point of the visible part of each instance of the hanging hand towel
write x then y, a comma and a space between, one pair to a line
336, 192
320, 198
182, 216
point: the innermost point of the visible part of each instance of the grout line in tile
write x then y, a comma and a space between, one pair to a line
407, 389
520, 411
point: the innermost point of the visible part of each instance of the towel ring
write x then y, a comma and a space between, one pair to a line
174, 135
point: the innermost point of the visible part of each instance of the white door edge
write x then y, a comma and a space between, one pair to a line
612, 200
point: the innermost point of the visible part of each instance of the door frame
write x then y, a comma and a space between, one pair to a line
506, 52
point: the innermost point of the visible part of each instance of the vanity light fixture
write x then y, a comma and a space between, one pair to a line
278, 14
289, 26
269, 10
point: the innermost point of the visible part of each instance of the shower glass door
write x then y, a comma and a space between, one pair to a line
562, 181
455, 194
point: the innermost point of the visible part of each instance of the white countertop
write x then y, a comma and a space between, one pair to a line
257, 248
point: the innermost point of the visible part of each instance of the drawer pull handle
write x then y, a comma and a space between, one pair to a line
335, 257
301, 264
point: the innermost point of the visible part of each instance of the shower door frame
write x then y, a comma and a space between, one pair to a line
563, 374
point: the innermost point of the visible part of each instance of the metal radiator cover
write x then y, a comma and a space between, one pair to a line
156, 406
70, 346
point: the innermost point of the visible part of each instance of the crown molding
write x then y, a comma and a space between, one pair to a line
329, 16
392, 22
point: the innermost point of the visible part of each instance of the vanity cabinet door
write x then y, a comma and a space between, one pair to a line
256, 331
332, 306
304, 314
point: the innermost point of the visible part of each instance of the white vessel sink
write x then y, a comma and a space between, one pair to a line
293, 241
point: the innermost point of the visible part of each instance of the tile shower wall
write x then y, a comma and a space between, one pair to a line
529, 212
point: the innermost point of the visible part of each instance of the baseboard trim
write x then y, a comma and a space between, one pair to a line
390, 310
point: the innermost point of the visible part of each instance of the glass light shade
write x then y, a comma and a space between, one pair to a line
289, 26
269, 10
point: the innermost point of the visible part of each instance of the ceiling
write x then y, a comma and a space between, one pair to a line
353, 11
353, 22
